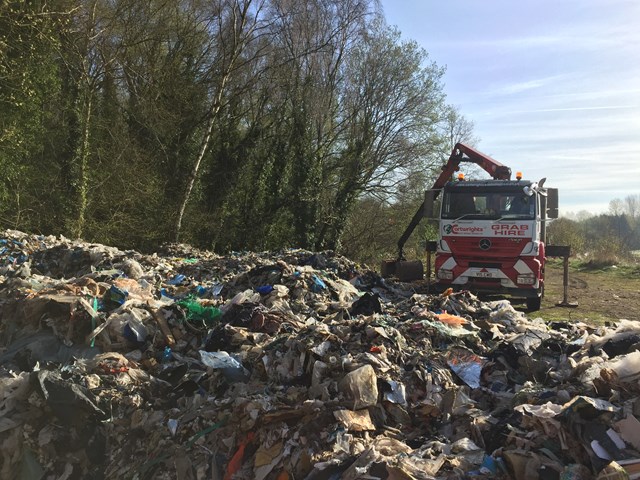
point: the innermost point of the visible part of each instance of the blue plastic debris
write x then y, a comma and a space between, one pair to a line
177, 280
200, 291
115, 297
264, 289
318, 284
166, 354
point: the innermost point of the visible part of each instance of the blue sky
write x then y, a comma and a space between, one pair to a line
553, 87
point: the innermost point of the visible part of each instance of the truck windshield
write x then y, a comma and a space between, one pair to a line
489, 204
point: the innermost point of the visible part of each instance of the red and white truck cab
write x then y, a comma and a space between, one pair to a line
491, 233
492, 236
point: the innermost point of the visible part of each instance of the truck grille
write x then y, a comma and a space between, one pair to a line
485, 265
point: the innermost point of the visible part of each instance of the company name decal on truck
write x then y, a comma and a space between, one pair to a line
502, 229
510, 230
454, 229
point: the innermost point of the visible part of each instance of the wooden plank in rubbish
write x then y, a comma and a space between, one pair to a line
164, 326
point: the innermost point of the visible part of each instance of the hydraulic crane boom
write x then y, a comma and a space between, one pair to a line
461, 153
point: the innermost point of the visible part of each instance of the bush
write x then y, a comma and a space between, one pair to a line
607, 251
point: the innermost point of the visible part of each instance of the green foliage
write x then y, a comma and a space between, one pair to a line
375, 227
606, 252
564, 231
28, 80
315, 127
599, 241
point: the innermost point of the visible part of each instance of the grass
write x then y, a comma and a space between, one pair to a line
620, 271
604, 293
553, 313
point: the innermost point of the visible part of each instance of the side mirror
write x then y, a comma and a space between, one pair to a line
429, 203
552, 203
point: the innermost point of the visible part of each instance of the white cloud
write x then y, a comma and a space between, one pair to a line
576, 109
523, 86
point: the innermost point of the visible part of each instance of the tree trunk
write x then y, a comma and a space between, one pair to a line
215, 108
82, 159
239, 38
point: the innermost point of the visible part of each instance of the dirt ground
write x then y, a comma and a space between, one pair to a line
602, 295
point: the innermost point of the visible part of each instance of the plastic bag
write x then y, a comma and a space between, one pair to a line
231, 368
195, 311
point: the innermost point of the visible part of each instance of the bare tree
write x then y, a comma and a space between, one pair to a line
237, 24
616, 207
314, 38
456, 128
392, 105
632, 205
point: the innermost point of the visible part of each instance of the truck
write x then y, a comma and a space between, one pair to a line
492, 234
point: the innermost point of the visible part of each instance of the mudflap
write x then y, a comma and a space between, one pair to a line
534, 302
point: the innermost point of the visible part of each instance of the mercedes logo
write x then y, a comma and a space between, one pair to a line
485, 244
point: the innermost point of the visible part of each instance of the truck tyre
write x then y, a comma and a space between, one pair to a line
533, 303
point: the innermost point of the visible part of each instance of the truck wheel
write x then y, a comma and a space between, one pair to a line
533, 304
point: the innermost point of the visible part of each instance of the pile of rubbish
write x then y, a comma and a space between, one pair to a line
294, 365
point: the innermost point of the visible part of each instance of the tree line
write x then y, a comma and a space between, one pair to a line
228, 124
606, 238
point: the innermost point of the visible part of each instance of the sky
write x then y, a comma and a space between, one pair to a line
552, 86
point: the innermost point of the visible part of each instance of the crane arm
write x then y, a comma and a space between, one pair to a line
462, 153
497, 170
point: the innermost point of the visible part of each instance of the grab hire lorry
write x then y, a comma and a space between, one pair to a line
492, 233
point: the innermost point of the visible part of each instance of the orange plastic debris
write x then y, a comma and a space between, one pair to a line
453, 320
236, 461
